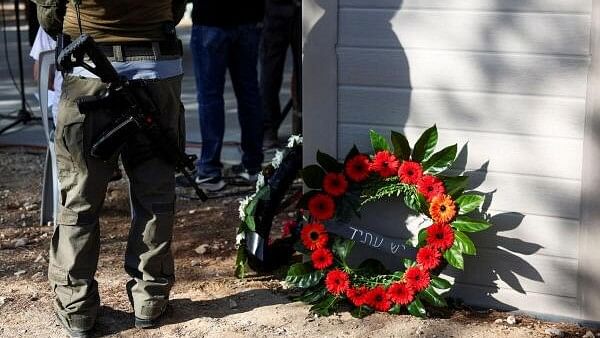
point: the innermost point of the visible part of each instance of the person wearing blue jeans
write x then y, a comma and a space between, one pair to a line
226, 36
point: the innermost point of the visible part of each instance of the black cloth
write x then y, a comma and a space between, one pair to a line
227, 13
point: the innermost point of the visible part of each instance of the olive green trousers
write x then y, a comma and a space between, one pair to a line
83, 181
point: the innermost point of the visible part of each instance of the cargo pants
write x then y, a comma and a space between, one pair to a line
83, 181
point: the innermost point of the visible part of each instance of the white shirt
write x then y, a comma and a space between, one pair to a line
43, 42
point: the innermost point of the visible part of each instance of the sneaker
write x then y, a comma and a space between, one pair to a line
245, 174
210, 183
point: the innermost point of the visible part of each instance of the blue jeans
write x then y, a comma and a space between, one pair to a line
215, 49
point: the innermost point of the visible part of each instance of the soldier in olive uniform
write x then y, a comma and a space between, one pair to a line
138, 38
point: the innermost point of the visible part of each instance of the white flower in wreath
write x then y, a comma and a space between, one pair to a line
243, 204
239, 238
260, 181
293, 140
277, 159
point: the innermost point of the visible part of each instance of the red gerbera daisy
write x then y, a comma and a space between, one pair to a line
378, 300
357, 168
321, 206
410, 172
440, 236
385, 164
314, 236
400, 293
335, 184
358, 296
428, 257
337, 281
442, 208
416, 278
430, 186
321, 258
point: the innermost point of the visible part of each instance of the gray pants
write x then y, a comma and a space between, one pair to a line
83, 181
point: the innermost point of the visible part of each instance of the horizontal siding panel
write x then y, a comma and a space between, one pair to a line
482, 72
531, 234
502, 32
543, 305
500, 268
540, 156
523, 273
502, 113
558, 6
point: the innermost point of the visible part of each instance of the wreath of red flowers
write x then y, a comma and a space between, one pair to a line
392, 171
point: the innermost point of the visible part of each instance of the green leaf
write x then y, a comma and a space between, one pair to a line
425, 145
454, 258
401, 146
396, 309
440, 161
342, 248
407, 262
311, 296
440, 283
417, 309
240, 262
454, 185
412, 202
326, 306
303, 275
329, 163
466, 224
432, 297
312, 176
468, 203
353, 152
464, 243
422, 236
361, 312
378, 142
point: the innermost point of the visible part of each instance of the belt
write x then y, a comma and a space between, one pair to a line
147, 50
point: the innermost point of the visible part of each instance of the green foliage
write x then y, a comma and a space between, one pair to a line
329, 163
425, 145
353, 152
454, 257
312, 176
440, 161
241, 261
422, 236
361, 312
440, 283
250, 209
313, 295
468, 203
464, 243
303, 275
378, 142
396, 309
401, 146
466, 224
342, 248
417, 309
326, 306
433, 298
455, 185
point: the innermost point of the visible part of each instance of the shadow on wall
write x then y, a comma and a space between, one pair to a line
497, 263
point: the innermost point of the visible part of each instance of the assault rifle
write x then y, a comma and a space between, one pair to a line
132, 116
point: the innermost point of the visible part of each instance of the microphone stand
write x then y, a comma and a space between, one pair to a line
23, 115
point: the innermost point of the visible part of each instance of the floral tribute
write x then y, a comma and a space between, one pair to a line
338, 192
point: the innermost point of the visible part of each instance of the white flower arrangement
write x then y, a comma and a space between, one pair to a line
260, 180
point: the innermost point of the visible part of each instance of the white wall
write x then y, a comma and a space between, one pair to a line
507, 80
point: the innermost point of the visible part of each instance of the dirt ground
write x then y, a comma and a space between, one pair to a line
207, 301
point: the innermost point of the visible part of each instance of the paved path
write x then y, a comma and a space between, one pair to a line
32, 134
